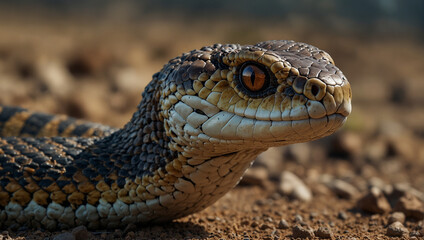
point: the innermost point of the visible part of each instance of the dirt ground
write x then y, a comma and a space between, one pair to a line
364, 182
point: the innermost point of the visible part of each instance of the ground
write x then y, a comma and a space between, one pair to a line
352, 185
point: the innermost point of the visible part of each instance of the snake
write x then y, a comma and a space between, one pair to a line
201, 122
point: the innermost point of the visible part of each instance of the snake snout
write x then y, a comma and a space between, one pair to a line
345, 107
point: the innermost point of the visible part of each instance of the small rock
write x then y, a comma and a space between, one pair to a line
397, 217
211, 218
300, 152
376, 150
342, 215
265, 226
130, 227
292, 186
81, 232
396, 229
298, 218
374, 202
324, 232
271, 160
244, 222
410, 206
400, 189
343, 189
303, 232
415, 234
255, 176
346, 144
66, 236
282, 224
130, 235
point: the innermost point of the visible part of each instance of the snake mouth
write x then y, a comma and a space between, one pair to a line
229, 126
301, 123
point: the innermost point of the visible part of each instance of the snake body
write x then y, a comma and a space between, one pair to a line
201, 122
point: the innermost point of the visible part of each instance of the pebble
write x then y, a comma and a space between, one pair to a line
265, 226
400, 189
324, 232
282, 224
271, 160
346, 144
257, 176
300, 152
65, 236
130, 235
396, 217
396, 229
81, 232
342, 215
343, 189
292, 186
298, 218
410, 206
303, 232
374, 202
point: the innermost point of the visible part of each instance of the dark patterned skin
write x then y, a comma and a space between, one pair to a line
192, 136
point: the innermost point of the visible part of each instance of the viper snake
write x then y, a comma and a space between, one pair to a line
201, 122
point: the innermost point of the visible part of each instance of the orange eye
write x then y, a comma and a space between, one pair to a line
253, 78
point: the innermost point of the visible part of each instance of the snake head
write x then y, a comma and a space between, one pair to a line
269, 94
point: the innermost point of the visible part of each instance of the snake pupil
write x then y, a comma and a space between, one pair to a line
253, 78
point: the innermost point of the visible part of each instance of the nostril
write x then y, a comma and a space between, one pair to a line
314, 90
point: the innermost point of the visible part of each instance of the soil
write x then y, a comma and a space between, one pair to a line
355, 183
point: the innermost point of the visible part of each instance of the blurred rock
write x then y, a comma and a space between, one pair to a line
342, 215
346, 145
397, 217
374, 202
282, 224
376, 150
400, 189
55, 77
376, 182
89, 61
410, 206
256, 176
303, 232
343, 189
127, 80
81, 232
397, 229
324, 232
271, 159
65, 236
299, 152
291, 185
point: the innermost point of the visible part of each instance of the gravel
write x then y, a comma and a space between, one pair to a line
291, 185
302, 232
410, 206
397, 229
324, 232
374, 202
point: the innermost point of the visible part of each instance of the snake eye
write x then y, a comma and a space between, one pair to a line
253, 78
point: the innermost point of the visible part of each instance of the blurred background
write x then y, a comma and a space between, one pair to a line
91, 60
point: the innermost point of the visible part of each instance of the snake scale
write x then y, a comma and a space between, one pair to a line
201, 122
